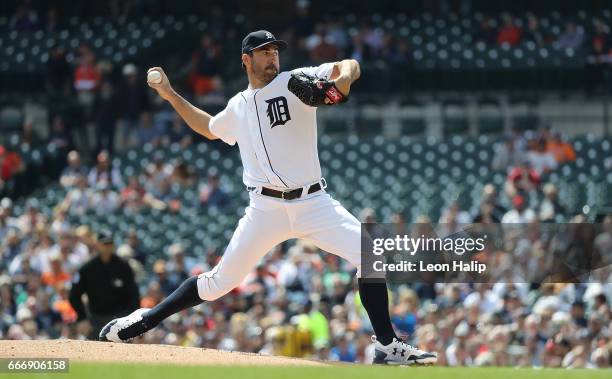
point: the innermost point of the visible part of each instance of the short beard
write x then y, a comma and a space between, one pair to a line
265, 76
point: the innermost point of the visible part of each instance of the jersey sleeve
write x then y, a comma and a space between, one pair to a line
222, 125
323, 71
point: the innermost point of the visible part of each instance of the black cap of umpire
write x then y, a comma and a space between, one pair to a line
105, 236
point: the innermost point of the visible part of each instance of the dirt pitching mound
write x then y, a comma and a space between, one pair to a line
91, 351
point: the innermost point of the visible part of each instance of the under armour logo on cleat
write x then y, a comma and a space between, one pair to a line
402, 353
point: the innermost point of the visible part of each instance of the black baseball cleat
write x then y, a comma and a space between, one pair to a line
400, 353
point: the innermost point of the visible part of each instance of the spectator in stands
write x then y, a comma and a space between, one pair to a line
358, 50
106, 116
560, 149
152, 297
454, 214
149, 131
126, 253
321, 45
509, 33
60, 135
77, 199
337, 34
7, 221
104, 200
533, 32
572, 37
490, 196
56, 274
31, 217
10, 165
47, 319
486, 32
32, 259
157, 172
58, 72
206, 63
396, 50
11, 245
73, 171
211, 194
302, 22
487, 214
166, 283
457, 353
133, 99
522, 179
61, 304
506, 154
140, 253
102, 172
520, 213
133, 195
598, 58
25, 18
343, 350
404, 314
87, 77
30, 137
179, 267
163, 191
374, 38
550, 207
183, 174
60, 220
52, 20
541, 160
73, 254
178, 132
453, 218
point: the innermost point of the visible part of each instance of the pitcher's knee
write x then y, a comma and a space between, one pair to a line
211, 286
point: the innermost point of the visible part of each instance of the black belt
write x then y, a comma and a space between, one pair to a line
287, 195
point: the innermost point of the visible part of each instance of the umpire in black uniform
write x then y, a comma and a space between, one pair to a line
108, 282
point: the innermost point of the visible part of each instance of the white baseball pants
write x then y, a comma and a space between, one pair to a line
269, 221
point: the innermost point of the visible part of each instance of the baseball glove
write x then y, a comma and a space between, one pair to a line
313, 91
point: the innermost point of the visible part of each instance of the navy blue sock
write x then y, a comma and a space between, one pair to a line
185, 296
375, 300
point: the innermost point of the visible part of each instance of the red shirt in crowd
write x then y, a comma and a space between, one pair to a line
86, 77
10, 163
509, 34
524, 177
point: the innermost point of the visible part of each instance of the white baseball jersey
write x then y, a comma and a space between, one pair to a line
275, 131
277, 137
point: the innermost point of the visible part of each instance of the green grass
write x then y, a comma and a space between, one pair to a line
124, 371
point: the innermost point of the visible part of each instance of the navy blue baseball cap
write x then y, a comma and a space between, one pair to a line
261, 38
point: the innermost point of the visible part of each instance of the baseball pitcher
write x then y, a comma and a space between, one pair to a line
273, 121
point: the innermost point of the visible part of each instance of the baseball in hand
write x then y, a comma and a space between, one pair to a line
154, 77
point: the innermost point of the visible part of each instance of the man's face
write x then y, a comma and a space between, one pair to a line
263, 63
106, 249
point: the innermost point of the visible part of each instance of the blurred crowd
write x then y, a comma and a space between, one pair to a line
317, 37
300, 301
527, 157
